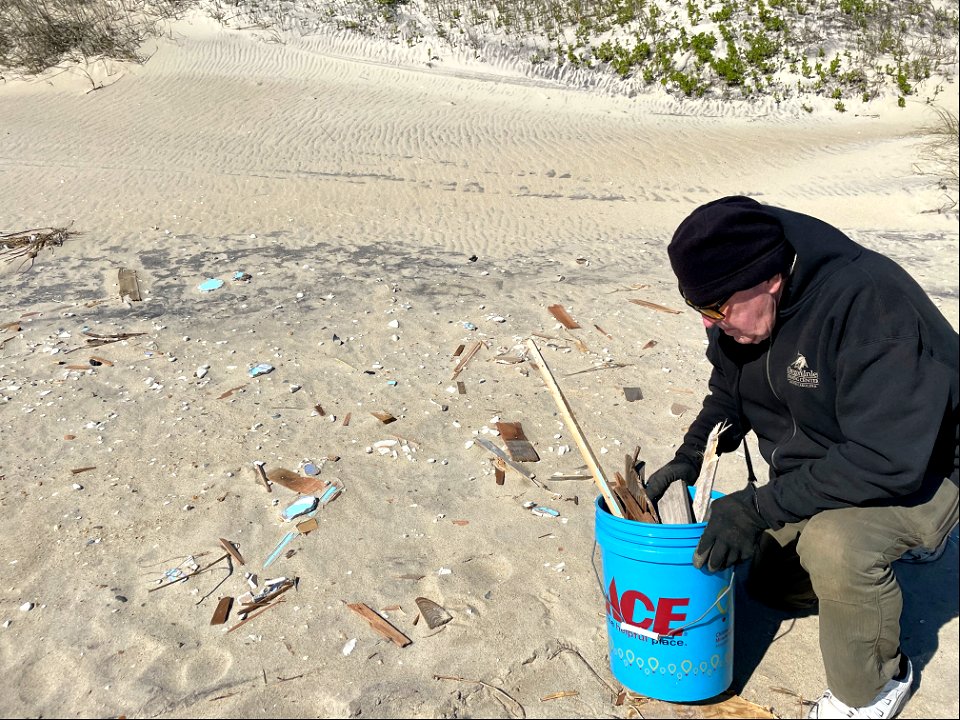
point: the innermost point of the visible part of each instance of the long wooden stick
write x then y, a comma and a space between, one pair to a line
613, 504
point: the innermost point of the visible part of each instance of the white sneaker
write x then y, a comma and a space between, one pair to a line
887, 704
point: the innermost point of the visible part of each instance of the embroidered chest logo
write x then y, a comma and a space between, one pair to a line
800, 374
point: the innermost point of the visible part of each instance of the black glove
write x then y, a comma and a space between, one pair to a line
732, 532
677, 469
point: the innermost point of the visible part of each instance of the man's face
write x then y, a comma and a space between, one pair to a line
749, 315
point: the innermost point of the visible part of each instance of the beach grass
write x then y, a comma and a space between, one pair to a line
38, 34
848, 51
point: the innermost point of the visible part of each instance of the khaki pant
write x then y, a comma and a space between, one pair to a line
842, 559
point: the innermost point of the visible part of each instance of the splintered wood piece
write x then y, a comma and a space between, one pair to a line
307, 526
346, 419
298, 483
654, 306
563, 316
383, 416
231, 391
518, 446
222, 612
461, 388
459, 350
319, 409
433, 614
603, 332
232, 549
631, 509
77, 471
708, 473
381, 626
466, 358
499, 471
613, 505
487, 445
674, 507
632, 394
129, 286
649, 344
635, 485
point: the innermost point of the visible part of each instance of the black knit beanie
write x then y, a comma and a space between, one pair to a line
726, 246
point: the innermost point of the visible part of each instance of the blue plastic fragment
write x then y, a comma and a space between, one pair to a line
469, 326
545, 511
300, 506
311, 469
279, 549
329, 494
210, 284
261, 369
392, 383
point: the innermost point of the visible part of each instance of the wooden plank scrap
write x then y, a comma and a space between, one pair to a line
519, 448
654, 306
708, 472
222, 612
499, 471
129, 285
77, 471
298, 483
674, 507
560, 313
586, 451
487, 445
383, 416
232, 549
467, 356
379, 624
307, 526
231, 391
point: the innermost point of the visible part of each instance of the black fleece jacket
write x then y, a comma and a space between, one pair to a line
854, 398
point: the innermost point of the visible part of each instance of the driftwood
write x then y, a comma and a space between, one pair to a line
708, 472
674, 507
27, 244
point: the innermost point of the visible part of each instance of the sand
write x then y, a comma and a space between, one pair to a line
387, 212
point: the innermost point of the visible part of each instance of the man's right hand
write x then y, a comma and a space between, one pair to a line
676, 469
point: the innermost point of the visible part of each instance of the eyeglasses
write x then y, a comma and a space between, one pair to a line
713, 311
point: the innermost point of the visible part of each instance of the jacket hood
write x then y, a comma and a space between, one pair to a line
821, 251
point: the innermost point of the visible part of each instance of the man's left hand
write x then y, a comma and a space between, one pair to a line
732, 533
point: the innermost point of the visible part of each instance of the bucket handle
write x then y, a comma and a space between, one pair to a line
631, 628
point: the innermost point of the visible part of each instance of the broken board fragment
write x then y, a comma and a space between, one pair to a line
384, 417
674, 507
433, 614
295, 482
560, 313
518, 446
222, 612
232, 549
129, 285
379, 624
654, 306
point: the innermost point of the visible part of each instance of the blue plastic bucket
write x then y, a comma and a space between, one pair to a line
669, 625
